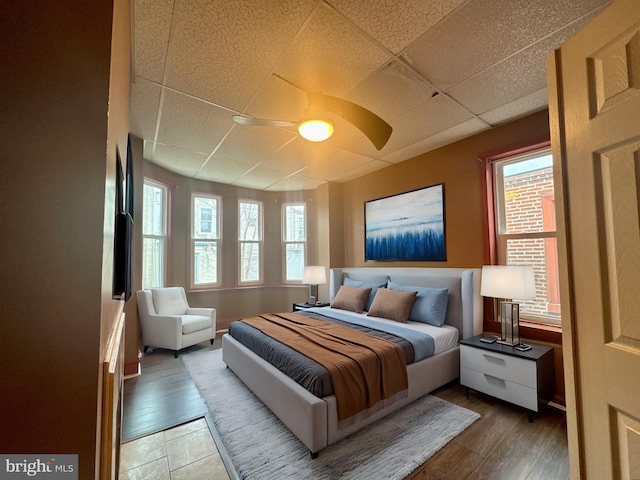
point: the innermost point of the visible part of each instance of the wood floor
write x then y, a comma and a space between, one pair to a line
502, 444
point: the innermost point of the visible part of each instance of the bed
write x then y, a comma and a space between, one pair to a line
314, 420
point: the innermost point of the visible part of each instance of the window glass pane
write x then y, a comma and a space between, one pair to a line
250, 262
249, 222
294, 223
542, 254
153, 210
295, 261
205, 265
152, 263
527, 195
205, 217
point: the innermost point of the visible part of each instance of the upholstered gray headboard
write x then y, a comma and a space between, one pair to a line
464, 310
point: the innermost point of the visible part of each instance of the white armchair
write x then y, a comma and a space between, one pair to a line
167, 321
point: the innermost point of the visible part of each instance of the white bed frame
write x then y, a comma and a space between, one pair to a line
315, 420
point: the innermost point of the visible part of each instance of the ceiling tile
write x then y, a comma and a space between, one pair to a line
145, 102
335, 164
392, 91
534, 102
153, 24
188, 123
430, 117
222, 51
517, 76
179, 160
253, 145
221, 170
330, 56
295, 182
260, 178
298, 154
395, 23
359, 171
461, 45
463, 130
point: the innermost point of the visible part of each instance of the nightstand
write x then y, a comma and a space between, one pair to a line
526, 379
302, 306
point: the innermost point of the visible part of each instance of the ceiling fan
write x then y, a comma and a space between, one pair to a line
316, 125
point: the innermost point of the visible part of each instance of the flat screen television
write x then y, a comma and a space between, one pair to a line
123, 231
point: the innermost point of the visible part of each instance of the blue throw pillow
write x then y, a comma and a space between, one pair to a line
430, 305
373, 286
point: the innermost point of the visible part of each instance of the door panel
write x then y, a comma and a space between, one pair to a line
595, 121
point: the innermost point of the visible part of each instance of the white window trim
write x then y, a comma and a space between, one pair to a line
193, 239
164, 237
259, 243
285, 242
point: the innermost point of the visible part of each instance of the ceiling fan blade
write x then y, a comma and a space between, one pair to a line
259, 122
374, 127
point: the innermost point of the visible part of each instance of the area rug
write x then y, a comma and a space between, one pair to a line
262, 448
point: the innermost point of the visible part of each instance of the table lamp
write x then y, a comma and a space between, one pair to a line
314, 276
508, 282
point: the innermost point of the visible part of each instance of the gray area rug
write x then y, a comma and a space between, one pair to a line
262, 448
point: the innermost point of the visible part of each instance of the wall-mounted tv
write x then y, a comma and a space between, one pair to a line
123, 234
408, 226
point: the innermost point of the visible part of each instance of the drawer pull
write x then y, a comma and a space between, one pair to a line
493, 379
494, 359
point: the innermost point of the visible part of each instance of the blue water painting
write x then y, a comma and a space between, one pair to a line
406, 227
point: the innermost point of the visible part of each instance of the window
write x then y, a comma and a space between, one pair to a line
154, 234
526, 227
250, 238
205, 237
294, 237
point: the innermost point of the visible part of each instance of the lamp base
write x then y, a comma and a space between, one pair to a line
510, 322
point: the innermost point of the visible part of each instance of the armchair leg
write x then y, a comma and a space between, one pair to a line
175, 354
211, 340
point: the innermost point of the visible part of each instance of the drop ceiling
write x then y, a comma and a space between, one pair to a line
437, 71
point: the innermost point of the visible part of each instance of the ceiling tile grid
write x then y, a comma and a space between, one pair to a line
436, 71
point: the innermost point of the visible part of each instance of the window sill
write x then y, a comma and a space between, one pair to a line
532, 331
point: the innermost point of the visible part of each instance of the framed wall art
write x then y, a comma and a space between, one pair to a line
408, 226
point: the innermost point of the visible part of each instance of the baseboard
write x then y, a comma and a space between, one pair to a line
132, 368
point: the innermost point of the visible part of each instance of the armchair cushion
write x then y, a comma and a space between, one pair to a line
169, 301
195, 323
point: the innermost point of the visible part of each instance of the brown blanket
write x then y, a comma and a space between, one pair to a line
364, 369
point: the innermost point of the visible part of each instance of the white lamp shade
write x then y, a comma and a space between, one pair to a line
314, 275
508, 281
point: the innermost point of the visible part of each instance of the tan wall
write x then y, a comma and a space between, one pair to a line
458, 167
233, 302
56, 219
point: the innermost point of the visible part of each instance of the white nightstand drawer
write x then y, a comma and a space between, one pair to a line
500, 388
505, 367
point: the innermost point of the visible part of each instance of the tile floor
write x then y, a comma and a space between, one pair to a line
186, 452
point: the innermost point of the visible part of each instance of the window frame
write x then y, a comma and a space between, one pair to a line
217, 241
286, 243
259, 243
533, 331
503, 236
164, 237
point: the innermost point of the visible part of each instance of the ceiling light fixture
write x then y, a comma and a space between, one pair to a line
316, 127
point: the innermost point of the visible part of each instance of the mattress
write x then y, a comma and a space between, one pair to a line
313, 376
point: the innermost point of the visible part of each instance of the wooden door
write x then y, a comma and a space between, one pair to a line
594, 91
